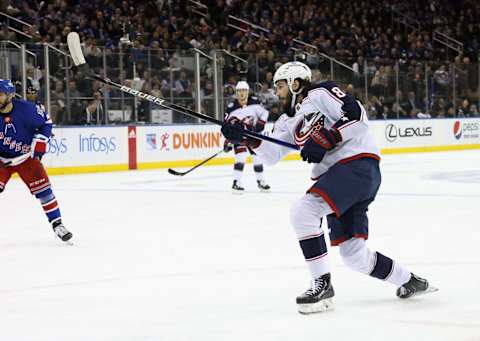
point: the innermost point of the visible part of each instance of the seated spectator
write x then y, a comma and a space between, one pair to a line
93, 54
399, 111
464, 109
58, 104
95, 113
442, 80
183, 86
350, 90
388, 113
229, 93
439, 108
411, 104
376, 108
450, 112
440, 113
474, 111
34, 78
379, 82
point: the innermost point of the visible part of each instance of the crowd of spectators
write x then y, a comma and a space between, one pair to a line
408, 73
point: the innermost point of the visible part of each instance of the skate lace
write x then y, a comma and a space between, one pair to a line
318, 284
61, 230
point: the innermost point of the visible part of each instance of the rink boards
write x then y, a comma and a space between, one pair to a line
111, 148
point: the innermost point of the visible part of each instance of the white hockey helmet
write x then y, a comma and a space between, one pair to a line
291, 71
242, 85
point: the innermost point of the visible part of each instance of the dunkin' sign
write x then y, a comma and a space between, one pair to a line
196, 140
174, 140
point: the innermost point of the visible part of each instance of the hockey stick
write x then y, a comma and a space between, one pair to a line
16, 160
174, 172
73, 41
6, 164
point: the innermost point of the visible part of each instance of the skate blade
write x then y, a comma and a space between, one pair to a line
236, 192
265, 190
429, 290
64, 242
319, 307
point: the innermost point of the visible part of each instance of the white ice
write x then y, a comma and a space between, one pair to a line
158, 257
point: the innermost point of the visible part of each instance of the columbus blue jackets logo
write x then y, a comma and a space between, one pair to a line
305, 126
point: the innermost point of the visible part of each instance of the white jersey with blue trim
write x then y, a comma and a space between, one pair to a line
324, 105
251, 114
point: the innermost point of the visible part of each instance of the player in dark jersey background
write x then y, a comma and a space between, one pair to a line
25, 129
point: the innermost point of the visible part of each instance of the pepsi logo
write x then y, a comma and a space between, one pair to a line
457, 130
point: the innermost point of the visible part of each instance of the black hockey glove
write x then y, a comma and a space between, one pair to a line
259, 127
234, 131
227, 146
320, 142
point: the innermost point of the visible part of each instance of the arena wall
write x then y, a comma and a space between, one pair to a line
97, 149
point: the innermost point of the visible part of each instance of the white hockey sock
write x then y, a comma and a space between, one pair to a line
319, 267
357, 256
306, 218
238, 172
258, 169
315, 251
400, 275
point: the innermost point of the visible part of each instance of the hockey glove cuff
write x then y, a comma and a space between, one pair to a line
39, 146
320, 142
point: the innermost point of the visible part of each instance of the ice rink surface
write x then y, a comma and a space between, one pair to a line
157, 257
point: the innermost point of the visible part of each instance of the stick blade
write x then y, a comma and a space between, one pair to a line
174, 172
73, 42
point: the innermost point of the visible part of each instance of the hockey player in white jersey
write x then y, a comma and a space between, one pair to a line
332, 129
248, 110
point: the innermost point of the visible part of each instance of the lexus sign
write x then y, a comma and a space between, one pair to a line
393, 132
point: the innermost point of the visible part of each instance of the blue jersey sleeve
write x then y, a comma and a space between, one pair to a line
42, 123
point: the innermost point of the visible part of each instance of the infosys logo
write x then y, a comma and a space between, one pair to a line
457, 130
392, 132
97, 144
57, 146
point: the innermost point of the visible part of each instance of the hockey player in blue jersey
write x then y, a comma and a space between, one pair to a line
332, 130
25, 130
